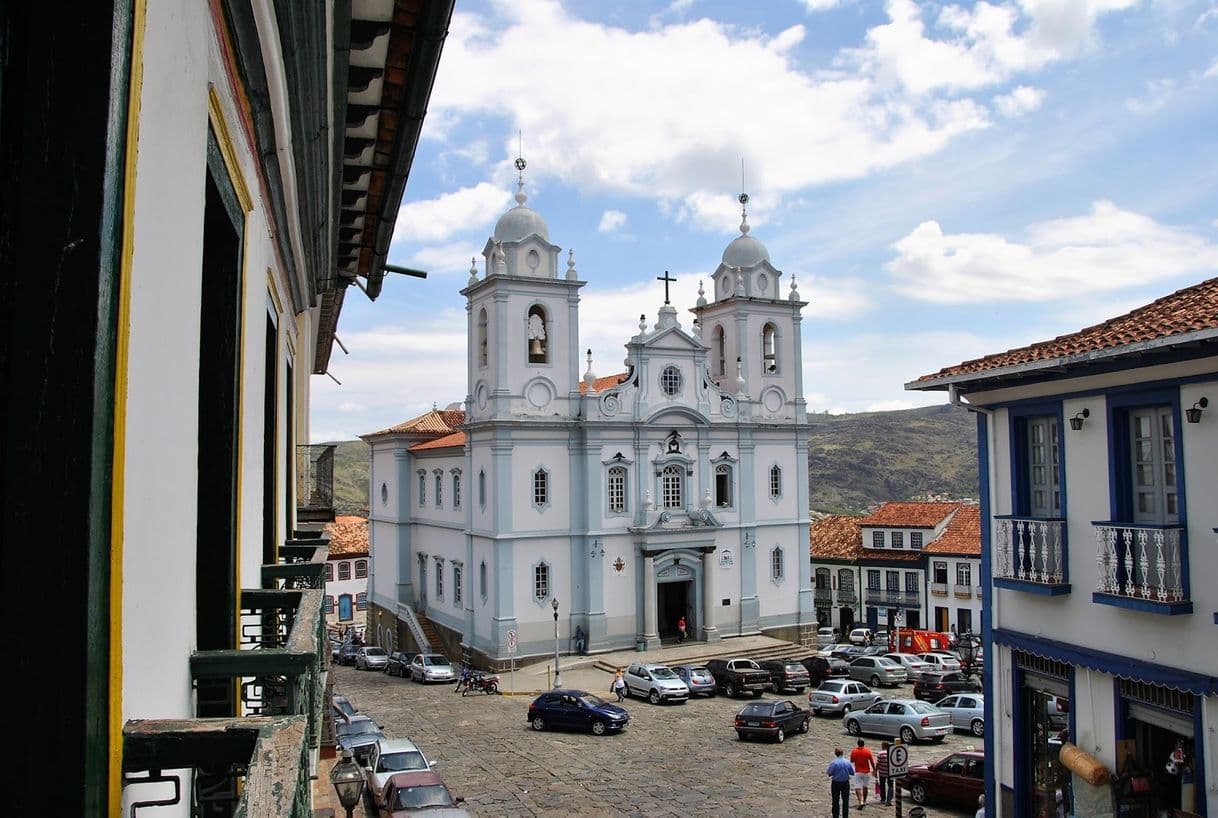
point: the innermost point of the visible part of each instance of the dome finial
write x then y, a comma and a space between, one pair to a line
520, 166
473, 270
743, 198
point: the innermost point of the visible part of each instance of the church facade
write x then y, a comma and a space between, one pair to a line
621, 504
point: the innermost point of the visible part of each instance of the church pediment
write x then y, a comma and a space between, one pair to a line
673, 339
681, 520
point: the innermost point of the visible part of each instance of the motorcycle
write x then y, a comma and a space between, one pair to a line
477, 681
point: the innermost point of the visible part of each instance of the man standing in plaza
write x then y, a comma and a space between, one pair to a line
881, 774
863, 761
840, 771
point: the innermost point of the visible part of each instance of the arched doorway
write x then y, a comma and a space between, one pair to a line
678, 590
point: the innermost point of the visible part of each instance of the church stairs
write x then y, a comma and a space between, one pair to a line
717, 650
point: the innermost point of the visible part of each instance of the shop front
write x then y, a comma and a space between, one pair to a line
1157, 755
1043, 717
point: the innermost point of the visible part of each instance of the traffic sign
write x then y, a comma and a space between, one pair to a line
511, 643
898, 760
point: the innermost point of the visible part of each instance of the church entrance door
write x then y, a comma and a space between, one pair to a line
674, 600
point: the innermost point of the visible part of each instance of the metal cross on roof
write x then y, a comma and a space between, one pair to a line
667, 279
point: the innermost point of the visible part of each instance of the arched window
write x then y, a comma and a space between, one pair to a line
482, 579
777, 569
422, 487
541, 488
723, 486
541, 582
720, 351
344, 570
361, 601
822, 579
482, 488
538, 350
328, 606
672, 486
769, 349
617, 489
439, 476
361, 569
775, 482
456, 488
329, 572
482, 351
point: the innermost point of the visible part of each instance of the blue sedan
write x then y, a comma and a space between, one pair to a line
576, 710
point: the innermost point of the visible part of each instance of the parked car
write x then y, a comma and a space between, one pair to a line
738, 676
656, 683
877, 649
841, 696
914, 667
906, 719
934, 686
389, 756
343, 708
432, 667
825, 636
880, 637
576, 710
877, 670
957, 779
370, 657
422, 792
786, 674
821, 668
697, 678
771, 719
335, 647
940, 660
967, 711
346, 654
358, 734
398, 663
849, 653
860, 636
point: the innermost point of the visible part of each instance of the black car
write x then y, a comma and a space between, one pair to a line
346, 654
358, 734
934, 686
786, 674
576, 710
399, 663
772, 719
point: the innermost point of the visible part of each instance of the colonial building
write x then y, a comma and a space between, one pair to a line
189, 187
617, 505
1098, 466
346, 601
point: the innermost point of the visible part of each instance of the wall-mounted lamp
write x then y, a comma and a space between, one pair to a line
597, 549
1076, 422
1194, 414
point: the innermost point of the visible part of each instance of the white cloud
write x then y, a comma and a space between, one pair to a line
1212, 71
1021, 100
1158, 92
440, 219
611, 221
820, 5
1106, 250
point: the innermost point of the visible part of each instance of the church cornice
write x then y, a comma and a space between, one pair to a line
504, 278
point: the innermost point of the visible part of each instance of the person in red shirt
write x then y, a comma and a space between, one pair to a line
864, 762
681, 630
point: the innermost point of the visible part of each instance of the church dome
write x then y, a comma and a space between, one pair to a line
520, 222
745, 251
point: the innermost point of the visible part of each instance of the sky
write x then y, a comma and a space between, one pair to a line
943, 180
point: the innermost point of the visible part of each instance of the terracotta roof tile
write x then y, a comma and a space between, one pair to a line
433, 421
446, 442
962, 535
889, 555
909, 515
1191, 309
601, 384
836, 537
348, 537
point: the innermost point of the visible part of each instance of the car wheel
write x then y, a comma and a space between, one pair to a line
741, 735
907, 734
598, 728
757, 694
978, 727
875, 681
917, 792
846, 708
654, 697
803, 728
780, 736
853, 728
732, 690
538, 723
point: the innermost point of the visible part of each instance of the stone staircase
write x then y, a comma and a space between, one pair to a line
429, 630
725, 649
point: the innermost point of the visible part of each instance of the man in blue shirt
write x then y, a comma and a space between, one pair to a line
840, 771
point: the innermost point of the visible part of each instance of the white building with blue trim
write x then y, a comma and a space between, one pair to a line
1099, 475
677, 489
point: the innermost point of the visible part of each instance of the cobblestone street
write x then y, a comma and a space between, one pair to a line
670, 760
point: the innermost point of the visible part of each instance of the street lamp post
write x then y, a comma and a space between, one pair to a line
557, 677
348, 781
967, 645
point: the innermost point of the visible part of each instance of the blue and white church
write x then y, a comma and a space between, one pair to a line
678, 488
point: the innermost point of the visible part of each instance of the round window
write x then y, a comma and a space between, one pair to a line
762, 281
670, 380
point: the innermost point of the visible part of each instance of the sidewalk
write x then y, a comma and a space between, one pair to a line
324, 796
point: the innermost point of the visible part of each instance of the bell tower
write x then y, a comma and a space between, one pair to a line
523, 321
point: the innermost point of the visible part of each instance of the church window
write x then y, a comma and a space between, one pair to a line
541, 487
723, 486
617, 489
769, 349
422, 488
670, 380
541, 582
720, 352
344, 570
776, 564
456, 488
439, 572
482, 488
482, 579
775, 482
361, 569
457, 584
672, 486
439, 475
538, 350
482, 348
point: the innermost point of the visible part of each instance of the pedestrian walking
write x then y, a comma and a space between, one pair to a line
883, 780
840, 771
618, 685
680, 630
864, 762
581, 641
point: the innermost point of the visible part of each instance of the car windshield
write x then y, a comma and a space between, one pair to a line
591, 700
400, 762
374, 652
358, 728
436, 661
428, 795
662, 673
700, 671
886, 662
831, 687
922, 707
757, 709
794, 667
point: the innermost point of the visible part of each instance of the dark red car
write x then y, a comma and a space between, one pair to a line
958, 779
934, 686
420, 792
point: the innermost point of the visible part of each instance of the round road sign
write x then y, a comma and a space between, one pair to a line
898, 760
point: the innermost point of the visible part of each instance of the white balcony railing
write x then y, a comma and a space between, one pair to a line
1030, 549
977, 591
938, 588
1140, 562
963, 591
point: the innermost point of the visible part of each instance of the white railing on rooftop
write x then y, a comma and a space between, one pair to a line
1140, 562
1030, 549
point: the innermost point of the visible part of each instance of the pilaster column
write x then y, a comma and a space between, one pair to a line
710, 630
650, 633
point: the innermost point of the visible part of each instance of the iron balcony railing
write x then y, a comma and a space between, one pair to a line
1143, 562
315, 482
847, 596
1031, 549
893, 599
824, 594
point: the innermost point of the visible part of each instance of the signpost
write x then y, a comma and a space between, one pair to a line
898, 766
511, 649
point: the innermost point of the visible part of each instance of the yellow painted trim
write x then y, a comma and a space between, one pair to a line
122, 359
273, 289
224, 138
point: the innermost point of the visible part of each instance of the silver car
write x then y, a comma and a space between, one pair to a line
877, 670
656, 683
697, 678
966, 710
371, 657
906, 719
431, 667
940, 661
389, 756
841, 696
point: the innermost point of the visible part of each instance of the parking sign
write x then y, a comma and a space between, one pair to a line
898, 760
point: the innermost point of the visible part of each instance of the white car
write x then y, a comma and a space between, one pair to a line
432, 667
940, 661
824, 637
656, 683
967, 711
860, 636
371, 657
914, 666
389, 756
841, 696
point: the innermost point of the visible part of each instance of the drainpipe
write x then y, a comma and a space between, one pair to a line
992, 673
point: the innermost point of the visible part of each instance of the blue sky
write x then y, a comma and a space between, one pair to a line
943, 180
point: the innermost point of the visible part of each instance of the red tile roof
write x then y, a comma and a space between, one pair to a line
836, 537
348, 537
433, 421
909, 515
456, 439
962, 535
1192, 309
601, 384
